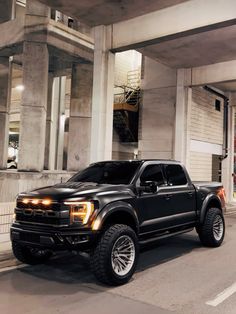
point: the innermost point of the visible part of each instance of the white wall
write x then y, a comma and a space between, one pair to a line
124, 62
206, 133
206, 122
200, 166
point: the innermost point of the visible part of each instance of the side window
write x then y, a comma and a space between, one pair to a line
153, 173
175, 175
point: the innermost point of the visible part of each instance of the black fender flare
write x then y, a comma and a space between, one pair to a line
205, 205
109, 209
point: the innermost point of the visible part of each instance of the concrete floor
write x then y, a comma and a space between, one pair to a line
176, 275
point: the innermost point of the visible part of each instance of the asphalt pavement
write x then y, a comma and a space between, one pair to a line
176, 275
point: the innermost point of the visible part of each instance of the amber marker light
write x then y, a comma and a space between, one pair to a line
35, 202
96, 224
46, 202
222, 195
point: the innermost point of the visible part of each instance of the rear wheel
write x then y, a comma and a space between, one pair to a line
30, 255
115, 257
212, 231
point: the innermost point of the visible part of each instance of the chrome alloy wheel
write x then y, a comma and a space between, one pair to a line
218, 228
123, 255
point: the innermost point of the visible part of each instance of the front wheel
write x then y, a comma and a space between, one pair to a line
30, 255
212, 231
115, 257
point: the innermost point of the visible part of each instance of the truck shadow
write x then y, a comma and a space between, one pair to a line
69, 273
165, 250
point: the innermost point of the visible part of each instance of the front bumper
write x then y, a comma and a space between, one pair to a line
54, 239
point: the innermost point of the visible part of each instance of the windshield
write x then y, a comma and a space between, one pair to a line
113, 172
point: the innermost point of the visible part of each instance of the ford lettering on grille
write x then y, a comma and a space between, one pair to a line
37, 212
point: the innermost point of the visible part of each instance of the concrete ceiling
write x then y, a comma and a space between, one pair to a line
226, 86
98, 12
208, 47
195, 50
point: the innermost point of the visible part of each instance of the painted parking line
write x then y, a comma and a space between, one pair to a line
221, 297
5, 269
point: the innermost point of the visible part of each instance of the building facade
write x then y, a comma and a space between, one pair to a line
78, 86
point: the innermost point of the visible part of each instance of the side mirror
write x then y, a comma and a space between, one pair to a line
149, 186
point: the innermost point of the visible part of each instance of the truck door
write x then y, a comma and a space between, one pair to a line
172, 205
152, 206
180, 196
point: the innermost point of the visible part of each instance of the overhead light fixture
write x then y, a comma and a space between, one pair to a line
20, 87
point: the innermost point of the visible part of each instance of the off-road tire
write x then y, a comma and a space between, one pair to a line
101, 256
27, 255
206, 231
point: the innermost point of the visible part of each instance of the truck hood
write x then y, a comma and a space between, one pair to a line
68, 190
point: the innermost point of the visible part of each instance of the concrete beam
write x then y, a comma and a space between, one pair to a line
214, 73
12, 34
36, 8
42, 29
187, 18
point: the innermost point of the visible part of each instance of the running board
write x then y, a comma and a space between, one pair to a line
168, 235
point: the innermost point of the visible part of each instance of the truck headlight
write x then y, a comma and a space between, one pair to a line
80, 212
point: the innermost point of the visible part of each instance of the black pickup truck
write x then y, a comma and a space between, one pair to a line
110, 209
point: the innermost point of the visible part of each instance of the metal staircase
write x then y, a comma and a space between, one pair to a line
126, 113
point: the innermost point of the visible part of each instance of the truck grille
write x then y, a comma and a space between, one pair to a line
55, 214
53, 206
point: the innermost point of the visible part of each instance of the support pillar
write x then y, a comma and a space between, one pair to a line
33, 107
157, 114
103, 95
227, 166
34, 98
47, 165
55, 123
5, 95
80, 117
60, 123
183, 96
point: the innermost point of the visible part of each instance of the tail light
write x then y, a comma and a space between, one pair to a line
222, 195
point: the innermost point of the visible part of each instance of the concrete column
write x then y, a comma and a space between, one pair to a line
228, 163
55, 123
33, 107
188, 126
7, 10
53, 114
61, 123
181, 117
5, 93
103, 95
157, 115
48, 124
80, 117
